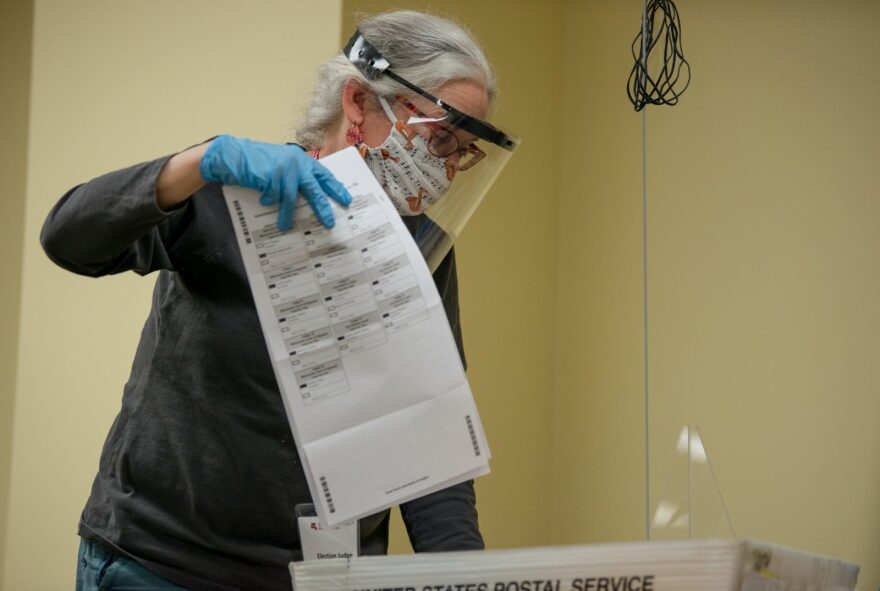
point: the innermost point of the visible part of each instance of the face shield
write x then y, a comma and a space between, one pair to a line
469, 155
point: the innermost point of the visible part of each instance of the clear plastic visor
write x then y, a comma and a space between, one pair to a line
472, 164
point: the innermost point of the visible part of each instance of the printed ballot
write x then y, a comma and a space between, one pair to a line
368, 369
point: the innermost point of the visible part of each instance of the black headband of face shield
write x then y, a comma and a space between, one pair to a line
373, 65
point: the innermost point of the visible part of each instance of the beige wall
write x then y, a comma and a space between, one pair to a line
763, 241
506, 284
766, 283
598, 423
115, 83
15, 73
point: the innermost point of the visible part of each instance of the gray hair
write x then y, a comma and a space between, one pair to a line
427, 50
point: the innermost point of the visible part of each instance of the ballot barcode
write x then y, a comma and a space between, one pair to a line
327, 496
470, 426
242, 222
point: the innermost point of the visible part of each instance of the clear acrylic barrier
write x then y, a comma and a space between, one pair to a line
686, 502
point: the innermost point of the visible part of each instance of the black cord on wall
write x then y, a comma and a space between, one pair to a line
660, 32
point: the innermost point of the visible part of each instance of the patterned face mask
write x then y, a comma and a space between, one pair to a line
414, 178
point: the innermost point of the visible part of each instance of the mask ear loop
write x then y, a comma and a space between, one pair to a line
399, 125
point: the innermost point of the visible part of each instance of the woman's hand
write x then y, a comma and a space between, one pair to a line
279, 172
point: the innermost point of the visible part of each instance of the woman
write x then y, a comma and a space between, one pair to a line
199, 476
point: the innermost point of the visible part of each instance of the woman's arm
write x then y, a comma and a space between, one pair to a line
444, 520
180, 177
124, 220
113, 223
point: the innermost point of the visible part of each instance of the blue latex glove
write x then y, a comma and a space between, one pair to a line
279, 172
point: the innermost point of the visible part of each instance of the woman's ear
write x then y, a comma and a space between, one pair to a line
354, 99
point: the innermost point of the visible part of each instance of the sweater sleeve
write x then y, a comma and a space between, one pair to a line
444, 520
112, 224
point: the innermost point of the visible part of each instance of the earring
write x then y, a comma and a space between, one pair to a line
353, 136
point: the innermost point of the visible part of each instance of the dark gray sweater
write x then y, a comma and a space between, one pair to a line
199, 474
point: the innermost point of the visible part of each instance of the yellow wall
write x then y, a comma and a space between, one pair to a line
15, 72
763, 241
507, 286
115, 83
766, 282
598, 451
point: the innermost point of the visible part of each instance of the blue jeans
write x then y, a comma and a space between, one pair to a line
98, 569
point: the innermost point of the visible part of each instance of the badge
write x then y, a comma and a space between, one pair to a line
320, 542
